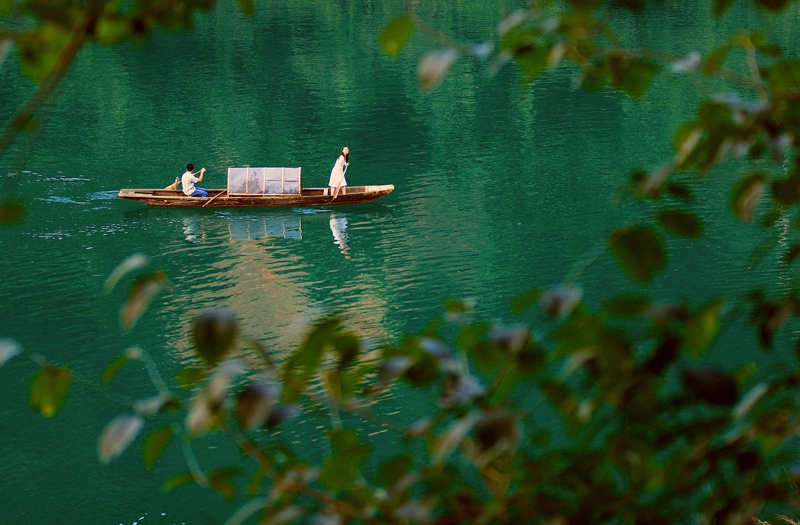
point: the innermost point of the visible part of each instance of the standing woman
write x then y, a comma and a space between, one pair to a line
337, 180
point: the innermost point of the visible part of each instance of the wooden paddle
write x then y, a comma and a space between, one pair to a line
214, 197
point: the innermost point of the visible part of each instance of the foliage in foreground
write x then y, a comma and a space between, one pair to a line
635, 427
635, 431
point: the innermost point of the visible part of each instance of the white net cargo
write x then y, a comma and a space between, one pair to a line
263, 181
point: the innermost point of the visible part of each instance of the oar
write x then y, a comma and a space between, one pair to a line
214, 197
174, 185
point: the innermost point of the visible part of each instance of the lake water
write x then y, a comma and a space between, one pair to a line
499, 188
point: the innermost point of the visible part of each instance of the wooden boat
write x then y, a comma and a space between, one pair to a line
222, 199
258, 187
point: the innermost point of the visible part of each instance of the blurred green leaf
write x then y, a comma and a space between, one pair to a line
155, 444
12, 212
340, 469
524, 301
343, 384
754, 39
190, 376
113, 368
434, 67
151, 406
254, 486
423, 371
722, 6
716, 58
560, 301
540, 438
204, 410
220, 480
560, 397
112, 30
393, 470
458, 308
633, 75
133, 262
595, 77
303, 364
533, 60
664, 355
783, 76
142, 294
639, 251
680, 222
279, 414
686, 64
49, 389
347, 347
747, 194
506, 385
751, 399
760, 251
772, 316
586, 4
8, 349
680, 191
471, 335
261, 352
689, 139
628, 305
254, 404
497, 431
178, 481
776, 6
248, 7
39, 50
703, 327
446, 443
214, 333
117, 435
787, 190
792, 254
711, 386
636, 6
6, 7
283, 515
771, 217
395, 35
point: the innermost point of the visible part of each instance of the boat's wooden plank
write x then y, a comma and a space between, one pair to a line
308, 197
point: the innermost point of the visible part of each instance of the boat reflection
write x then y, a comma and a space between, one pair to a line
193, 229
271, 226
339, 230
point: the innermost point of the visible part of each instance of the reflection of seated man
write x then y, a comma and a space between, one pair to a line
188, 179
193, 230
339, 230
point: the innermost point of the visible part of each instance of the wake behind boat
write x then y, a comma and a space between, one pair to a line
258, 187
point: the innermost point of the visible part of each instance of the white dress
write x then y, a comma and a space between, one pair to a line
337, 173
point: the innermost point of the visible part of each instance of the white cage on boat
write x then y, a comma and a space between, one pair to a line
263, 181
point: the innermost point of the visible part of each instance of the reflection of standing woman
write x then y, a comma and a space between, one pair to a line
336, 180
339, 230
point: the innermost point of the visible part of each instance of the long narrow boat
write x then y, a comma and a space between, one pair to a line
222, 199
258, 187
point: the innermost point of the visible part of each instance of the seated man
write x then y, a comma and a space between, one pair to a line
188, 179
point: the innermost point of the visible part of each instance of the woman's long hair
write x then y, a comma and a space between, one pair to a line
346, 157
